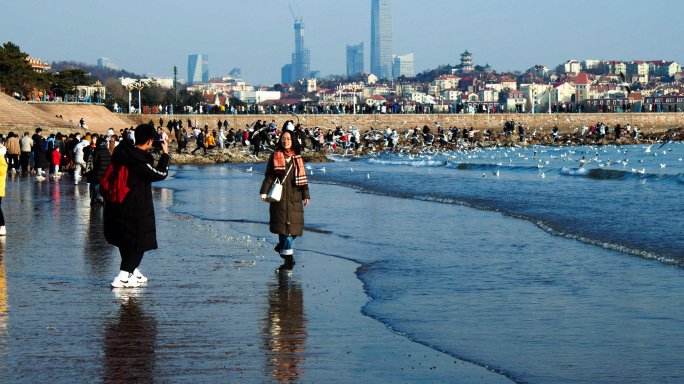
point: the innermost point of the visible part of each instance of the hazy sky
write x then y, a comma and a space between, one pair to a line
151, 36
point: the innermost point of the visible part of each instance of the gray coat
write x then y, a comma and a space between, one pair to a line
287, 215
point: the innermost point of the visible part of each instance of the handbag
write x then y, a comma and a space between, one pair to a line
276, 192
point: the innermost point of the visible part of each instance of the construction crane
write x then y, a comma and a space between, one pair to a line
293, 15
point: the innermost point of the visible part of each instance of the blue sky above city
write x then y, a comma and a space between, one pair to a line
152, 36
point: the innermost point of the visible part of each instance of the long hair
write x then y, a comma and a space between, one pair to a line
295, 143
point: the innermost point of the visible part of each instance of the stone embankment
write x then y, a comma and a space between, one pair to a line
567, 122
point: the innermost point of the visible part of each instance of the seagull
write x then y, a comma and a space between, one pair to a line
308, 167
249, 169
542, 175
367, 175
496, 173
351, 169
484, 175
662, 165
648, 150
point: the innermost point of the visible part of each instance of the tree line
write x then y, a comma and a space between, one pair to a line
17, 75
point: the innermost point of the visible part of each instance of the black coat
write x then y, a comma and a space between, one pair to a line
101, 160
130, 225
286, 215
39, 156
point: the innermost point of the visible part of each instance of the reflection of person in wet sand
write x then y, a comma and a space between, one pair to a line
285, 332
129, 345
3, 292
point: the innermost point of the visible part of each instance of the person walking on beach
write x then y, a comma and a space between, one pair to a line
287, 215
39, 156
100, 158
181, 138
200, 143
3, 176
26, 144
13, 151
130, 225
79, 158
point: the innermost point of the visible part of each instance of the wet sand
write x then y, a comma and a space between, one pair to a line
217, 308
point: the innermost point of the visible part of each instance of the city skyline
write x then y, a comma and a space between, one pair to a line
507, 36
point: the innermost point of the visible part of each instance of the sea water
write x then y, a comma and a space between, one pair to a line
547, 264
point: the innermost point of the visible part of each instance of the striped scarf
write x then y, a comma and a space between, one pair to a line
279, 166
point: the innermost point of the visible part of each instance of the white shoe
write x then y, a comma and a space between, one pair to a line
139, 276
125, 280
13, 170
3, 231
40, 178
75, 182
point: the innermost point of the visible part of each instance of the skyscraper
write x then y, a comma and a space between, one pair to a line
354, 60
301, 58
382, 43
198, 69
403, 66
286, 74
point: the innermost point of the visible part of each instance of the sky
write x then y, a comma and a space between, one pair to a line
153, 36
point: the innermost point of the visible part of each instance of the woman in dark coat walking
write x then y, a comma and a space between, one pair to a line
286, 215
100, 158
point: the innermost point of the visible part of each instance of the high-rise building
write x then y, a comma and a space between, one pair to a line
382, 43
286, 74
198, 69
301, 58
354, 60
104, 62
402, 66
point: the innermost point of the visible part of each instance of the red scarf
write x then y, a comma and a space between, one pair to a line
279, 166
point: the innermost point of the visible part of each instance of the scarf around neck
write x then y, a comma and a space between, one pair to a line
280, 166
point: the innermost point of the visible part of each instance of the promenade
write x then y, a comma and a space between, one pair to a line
660, 122
215, 310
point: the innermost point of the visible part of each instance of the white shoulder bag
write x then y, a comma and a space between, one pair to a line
276, 192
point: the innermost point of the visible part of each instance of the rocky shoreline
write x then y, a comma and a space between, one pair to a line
242, 154
231, 155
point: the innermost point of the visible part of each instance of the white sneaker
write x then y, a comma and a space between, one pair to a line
13, 170
125, 280
40, 178
139, 276
3, 231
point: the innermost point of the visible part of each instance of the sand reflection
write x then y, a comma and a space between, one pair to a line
130, 342
284, 335
3, 295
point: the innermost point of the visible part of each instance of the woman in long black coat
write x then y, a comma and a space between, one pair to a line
101, 158
286, 215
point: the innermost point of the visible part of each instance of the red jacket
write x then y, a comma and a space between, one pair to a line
56, 157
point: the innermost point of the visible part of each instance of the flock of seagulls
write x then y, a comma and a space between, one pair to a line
540, 157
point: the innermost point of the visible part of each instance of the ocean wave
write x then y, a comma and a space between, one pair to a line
548, 228
613, 174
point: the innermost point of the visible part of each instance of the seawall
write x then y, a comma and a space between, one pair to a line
658, 122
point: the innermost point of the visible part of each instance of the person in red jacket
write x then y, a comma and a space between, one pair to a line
56, 158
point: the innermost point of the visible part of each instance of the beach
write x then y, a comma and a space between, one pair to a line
217, 307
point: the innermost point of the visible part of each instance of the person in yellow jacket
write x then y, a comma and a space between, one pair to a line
211, 142
3, 175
